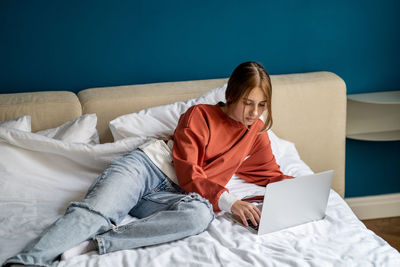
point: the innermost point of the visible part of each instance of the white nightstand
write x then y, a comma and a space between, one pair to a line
374, 116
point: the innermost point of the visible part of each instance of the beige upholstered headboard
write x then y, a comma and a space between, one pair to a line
47, 109
309, 109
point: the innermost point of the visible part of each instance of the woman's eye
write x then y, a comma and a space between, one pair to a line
262, 105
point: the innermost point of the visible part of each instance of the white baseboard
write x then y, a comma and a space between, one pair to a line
372, 207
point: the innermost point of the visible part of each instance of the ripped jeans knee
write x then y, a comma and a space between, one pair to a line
197, 211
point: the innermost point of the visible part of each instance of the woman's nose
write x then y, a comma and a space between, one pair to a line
254, 111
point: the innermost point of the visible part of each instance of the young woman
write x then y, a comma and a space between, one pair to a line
210, 144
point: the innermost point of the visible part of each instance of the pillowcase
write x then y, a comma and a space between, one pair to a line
287, 156
159, 122
22, 123
80, 130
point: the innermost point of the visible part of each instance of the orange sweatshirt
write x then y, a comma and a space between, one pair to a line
209, 147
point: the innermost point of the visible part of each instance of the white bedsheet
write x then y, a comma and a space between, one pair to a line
40, 176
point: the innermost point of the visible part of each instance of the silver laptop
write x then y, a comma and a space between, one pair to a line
293, 202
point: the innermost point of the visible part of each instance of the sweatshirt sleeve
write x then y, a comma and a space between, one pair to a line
260, 167
190, 142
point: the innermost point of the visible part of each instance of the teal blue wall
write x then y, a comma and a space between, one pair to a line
73, 45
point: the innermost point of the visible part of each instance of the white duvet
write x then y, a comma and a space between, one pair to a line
39, 176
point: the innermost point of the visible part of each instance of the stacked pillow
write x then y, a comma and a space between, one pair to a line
80, 130
159, 122
156, 122
22, 123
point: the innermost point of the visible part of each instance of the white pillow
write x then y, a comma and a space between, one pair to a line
287, 157
80, 130
22, 123
159, 122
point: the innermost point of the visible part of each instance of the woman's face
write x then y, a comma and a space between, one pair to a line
253, 106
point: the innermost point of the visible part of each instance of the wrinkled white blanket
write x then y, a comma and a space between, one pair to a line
40, 176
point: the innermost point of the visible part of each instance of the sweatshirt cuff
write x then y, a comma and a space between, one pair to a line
226, 201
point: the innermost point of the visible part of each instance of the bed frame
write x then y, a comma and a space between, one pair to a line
309, 109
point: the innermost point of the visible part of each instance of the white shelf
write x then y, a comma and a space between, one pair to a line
378, 136
374, 116
391, 97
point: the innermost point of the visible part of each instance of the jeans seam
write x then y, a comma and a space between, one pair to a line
100, 245
154, 190
99, 179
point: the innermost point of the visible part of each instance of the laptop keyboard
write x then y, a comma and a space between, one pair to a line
251, 225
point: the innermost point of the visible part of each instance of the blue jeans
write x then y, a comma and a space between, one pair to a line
130, 185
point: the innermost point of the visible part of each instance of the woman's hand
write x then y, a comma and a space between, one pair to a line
245, 210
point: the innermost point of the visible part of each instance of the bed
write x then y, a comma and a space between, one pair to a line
54, 144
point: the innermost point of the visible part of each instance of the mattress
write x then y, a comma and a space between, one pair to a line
39, 176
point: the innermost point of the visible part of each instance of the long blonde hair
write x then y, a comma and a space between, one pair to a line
244, 78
